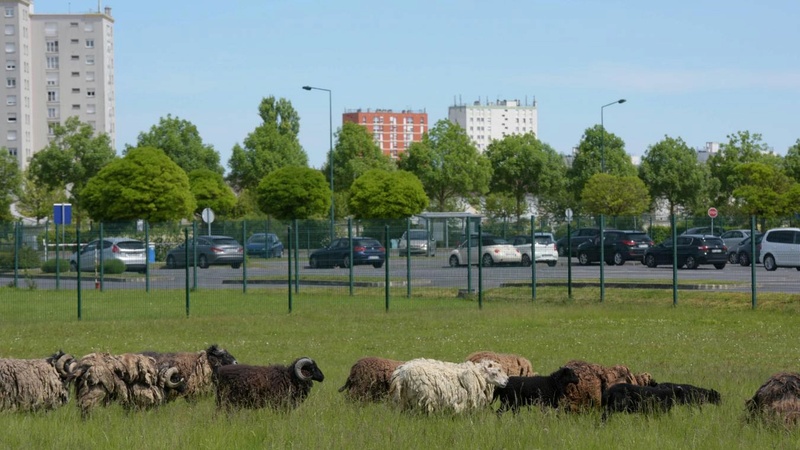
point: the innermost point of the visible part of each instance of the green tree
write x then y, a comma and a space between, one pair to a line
522, 165
671, 172
210, 191
763, 190
181, 141
294, 192
598, 145
10, 183
271, 146
382, 194
791, 162
354, 154
73, 156
500, 206
615, 196
448, 164
741, 148
36, 200
145, 184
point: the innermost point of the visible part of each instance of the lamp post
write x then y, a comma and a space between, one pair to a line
330, 148
602, 217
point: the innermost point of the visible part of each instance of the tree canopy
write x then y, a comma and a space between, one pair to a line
145, 184
73, 156
382, 194
764, 190
272, 145
741, 148
598, 145
615, 196
10, 183
180, 140
671, 172
294, 193
37, 200
210, 191
448, 164
354, 154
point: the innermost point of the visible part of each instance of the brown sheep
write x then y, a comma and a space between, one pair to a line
777, 401
35, 384
369, 379
513, 365
594, 379
198, 368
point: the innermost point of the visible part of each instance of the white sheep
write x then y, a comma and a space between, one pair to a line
429, 385
35, 384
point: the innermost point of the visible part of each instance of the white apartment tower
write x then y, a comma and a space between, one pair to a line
56, 66
489, 121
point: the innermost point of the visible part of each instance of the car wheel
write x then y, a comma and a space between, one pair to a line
526, 260
73, 266
720, 266
346, 262
377, 265
487, 260
650, 261
744, 260
202, 262
732, 258
236, 265
551, 263
769, 263
562, 251
619, 259
583, 259
690, 262
171, 262
313, 263
453, 261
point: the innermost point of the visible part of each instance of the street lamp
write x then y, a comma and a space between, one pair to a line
602, 217
330, 151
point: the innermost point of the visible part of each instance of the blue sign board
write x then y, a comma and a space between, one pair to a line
62, 213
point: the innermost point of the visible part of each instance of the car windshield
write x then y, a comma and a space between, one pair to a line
638, 237
367, 243
225, 241
419, 235
494, 241
544, 240
130, 245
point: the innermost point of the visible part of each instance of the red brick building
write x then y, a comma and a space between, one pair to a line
392, 131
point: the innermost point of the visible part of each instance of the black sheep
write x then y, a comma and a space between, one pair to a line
631, 398
694, 395
275, 386
525, 391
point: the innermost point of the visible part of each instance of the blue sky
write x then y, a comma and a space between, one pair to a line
700, 69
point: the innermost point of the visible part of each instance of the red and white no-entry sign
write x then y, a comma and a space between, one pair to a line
712, 212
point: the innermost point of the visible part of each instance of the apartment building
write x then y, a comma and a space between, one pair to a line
392, 131
56, 66
487, 121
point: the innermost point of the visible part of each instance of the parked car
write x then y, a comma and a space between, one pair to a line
421, 243
620, 246
266, 245
780, 247
743, 250
732, 238
366, 250
716, 231
544, 249
494, 250
576, 238
130, 251
211, 250
692, 251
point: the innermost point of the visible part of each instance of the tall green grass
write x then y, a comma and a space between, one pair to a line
711, 339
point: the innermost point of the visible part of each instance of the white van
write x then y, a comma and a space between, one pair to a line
780, 247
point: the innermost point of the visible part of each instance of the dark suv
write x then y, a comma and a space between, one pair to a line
576, 238
692, 249
620, 246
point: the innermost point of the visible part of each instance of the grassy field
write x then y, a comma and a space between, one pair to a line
710, 339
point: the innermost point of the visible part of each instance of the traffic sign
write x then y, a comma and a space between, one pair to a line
207, 215
712, 212
568, 214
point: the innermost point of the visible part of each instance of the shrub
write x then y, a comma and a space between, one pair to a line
28, 259
113, 266
49, 266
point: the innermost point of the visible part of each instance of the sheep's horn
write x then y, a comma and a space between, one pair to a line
168, 374
62, 361
298, 367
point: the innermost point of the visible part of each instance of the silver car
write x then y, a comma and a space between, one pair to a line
130, 251
211, 250
419, 243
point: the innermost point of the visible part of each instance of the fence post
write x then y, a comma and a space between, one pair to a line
17, 248
350, 257
78, 264
533, 257
102, 269
186, 261
386, 264
753, 260
58, 262
289, 234
469, 256
602, 258
147, 256
674, 260
408, 255
297, 257
244, 256
194, 254
569, 260
480, 266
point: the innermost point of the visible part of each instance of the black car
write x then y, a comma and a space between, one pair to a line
692, 251
267, 245
366, 250
620, 246
743, 254
576, 238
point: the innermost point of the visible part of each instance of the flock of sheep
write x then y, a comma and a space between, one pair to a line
148, 379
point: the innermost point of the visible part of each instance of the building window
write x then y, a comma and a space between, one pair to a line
9, 30
11, 64
89, 76
52, 79
11, 47
90, 43
76, 90
75, 58
12, 135
11, 82
76, 74
51, 128
52, 62
11, 100
74, 41
52, 113
90, 93
9, 11
76, 107
90, 109
12, 118
88, 26
52, 96
90, 60
51, 46
73, 24
12, 151
51, 29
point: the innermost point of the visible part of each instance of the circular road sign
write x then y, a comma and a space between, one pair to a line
207, 215
568, 214
712, 212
